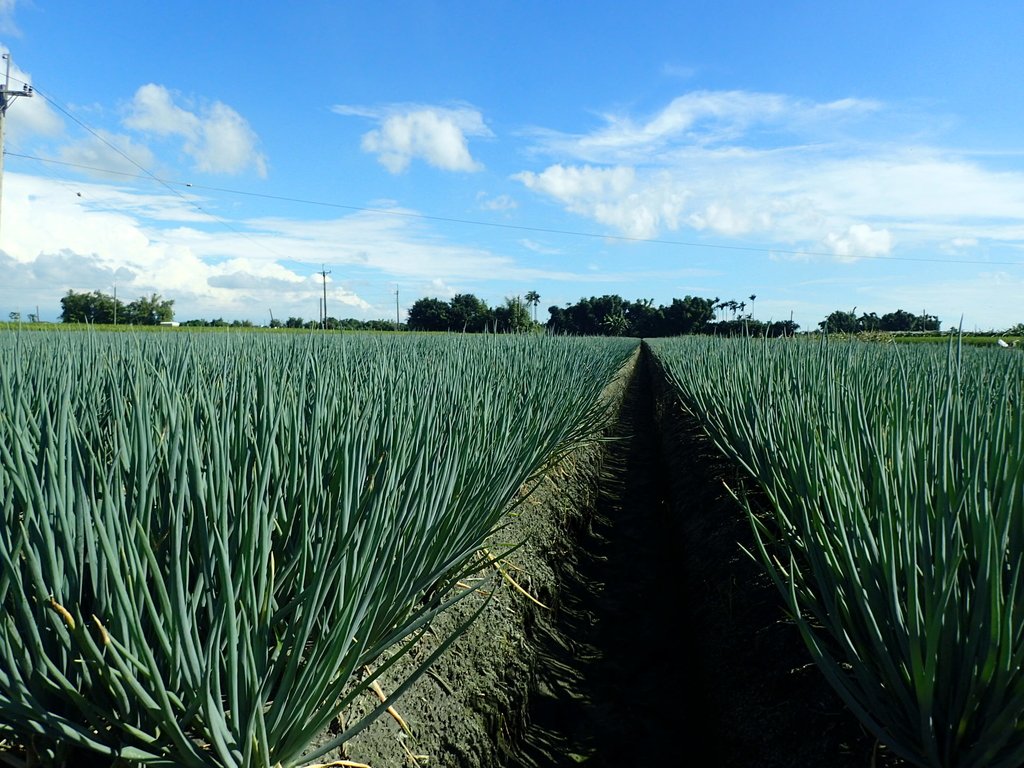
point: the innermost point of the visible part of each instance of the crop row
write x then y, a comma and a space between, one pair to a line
890, 513
204, 538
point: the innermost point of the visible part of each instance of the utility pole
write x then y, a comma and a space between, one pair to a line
324, 273
6, 97
398, 314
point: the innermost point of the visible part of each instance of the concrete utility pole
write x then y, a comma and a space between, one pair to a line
324, 273
398, 313
6, 97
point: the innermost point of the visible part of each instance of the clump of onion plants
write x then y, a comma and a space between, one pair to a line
896, 479
204, 538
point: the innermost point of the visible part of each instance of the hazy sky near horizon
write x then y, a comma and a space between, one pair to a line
819, 156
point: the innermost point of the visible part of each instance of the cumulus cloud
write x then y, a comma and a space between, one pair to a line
217, 138
7, 24
859, 240
28, 116
55, 240
64, 268
498, 203
613, 196
436, 135
109, 152
779, 172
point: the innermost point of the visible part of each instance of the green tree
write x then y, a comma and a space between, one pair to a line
644, 320
429, 315
149, 311
512, 316
900, 320
95, 307
468, 313
688, 315
870, 322
840, 322
533, 298
614, 324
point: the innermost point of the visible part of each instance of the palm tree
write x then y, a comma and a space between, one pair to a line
532, 297
752, 297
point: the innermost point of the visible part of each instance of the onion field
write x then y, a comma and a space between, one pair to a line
212, 545
887, 497
205, 537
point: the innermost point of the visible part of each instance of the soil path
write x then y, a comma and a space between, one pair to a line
620, 682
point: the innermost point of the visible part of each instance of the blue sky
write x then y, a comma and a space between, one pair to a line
817, 155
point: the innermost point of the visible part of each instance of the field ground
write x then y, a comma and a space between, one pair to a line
661, 640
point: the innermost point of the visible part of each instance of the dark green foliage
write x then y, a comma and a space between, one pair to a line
430, 315
611, 315
100, 309
899, 321
466, 313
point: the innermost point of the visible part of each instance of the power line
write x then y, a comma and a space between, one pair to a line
169, 185
7, 96
499, 225
146, 173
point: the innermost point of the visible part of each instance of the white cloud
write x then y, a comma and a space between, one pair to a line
532, 245
778, 172
436, 135
498, 203
986, 298
219, 140
28, 116
613, 196
56, 240
859, 240
7, 25
109, 152
153, 110
702, 119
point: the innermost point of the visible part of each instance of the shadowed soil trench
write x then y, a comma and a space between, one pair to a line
620, 677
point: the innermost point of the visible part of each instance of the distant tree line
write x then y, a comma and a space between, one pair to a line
465, 312
608, 315
900, 320
611, 315
99, 308
331, 324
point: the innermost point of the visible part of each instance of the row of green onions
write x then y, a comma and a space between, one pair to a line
894, 482
205, 537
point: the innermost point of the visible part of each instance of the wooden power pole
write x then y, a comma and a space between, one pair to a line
324, 272
6, 97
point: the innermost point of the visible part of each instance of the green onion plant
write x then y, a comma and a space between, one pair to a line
895, 479
205, 537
